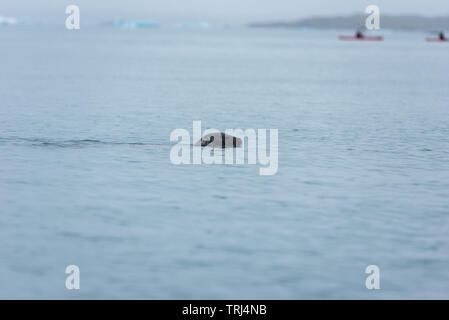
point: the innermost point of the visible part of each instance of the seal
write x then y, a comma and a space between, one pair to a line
219, 140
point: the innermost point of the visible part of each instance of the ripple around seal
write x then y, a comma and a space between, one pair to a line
41, 142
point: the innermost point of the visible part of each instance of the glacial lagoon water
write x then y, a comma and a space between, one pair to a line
86, 178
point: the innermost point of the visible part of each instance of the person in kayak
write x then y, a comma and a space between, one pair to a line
441, 36
359, 34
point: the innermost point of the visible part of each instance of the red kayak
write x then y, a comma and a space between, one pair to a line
436, 40
364, 38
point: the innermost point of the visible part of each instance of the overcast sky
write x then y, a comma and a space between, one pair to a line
218, 11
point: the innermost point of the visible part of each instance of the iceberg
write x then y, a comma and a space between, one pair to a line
200, 25
141, 24
5, 21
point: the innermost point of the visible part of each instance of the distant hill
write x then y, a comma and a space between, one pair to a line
412, 23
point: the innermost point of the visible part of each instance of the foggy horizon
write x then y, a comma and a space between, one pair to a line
219, 11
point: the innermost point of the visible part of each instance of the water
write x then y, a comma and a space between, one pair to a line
86, 179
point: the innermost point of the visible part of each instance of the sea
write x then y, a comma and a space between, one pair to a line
86, 177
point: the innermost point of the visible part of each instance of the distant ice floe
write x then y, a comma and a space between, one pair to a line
195, 26
147, 24
141, 24
7, 21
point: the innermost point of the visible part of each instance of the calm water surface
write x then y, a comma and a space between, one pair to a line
86, 179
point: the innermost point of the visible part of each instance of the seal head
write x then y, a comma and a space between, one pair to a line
219, 140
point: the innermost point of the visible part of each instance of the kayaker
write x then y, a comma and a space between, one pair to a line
441, 36
359, 34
